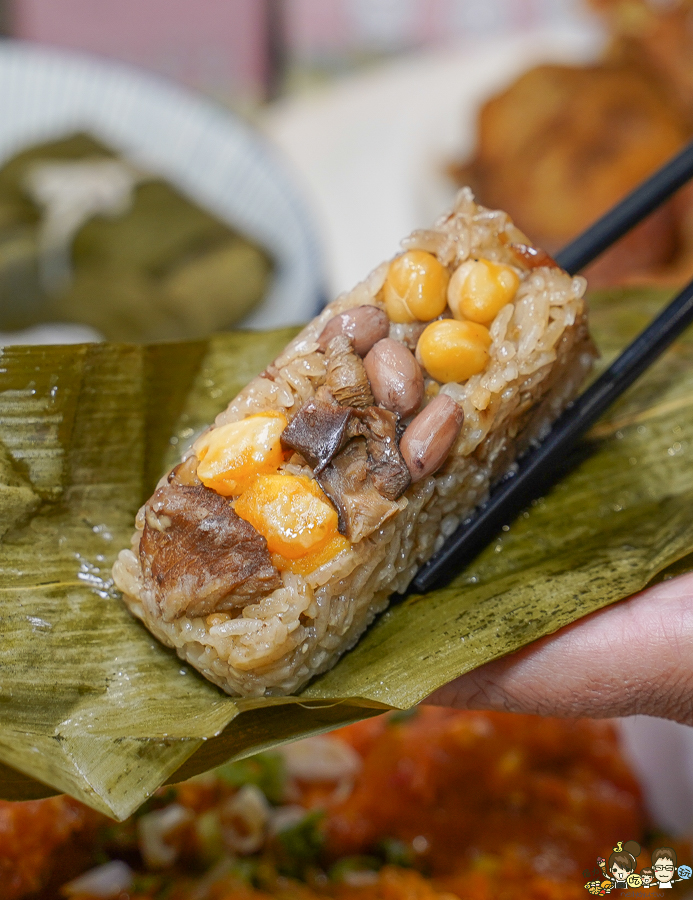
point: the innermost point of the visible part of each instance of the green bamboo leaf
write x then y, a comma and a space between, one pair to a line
91, 704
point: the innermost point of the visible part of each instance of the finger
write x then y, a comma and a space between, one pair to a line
633, 657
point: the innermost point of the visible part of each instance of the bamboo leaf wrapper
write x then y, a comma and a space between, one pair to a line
91, 704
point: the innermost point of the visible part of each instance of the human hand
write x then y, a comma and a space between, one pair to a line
635, 657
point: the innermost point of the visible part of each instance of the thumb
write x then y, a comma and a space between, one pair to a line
635, 657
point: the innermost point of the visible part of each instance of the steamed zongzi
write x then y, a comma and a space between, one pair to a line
339, 470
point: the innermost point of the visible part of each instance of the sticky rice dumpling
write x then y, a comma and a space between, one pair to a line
339, 470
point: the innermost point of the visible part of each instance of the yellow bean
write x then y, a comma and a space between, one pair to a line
480, 288
453, 351
416, 287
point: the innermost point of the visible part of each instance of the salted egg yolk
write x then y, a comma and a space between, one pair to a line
292, 513
232, 456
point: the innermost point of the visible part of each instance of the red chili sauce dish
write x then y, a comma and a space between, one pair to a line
410, 806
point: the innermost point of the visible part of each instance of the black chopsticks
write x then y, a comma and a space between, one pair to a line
540, 467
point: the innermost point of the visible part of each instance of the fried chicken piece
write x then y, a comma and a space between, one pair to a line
563, 144
656, 37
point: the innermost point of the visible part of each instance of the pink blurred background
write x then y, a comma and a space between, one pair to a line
233, 48
214, 44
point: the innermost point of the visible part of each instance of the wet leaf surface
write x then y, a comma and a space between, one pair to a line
91, 704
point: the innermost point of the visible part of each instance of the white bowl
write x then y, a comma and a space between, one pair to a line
210, 154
